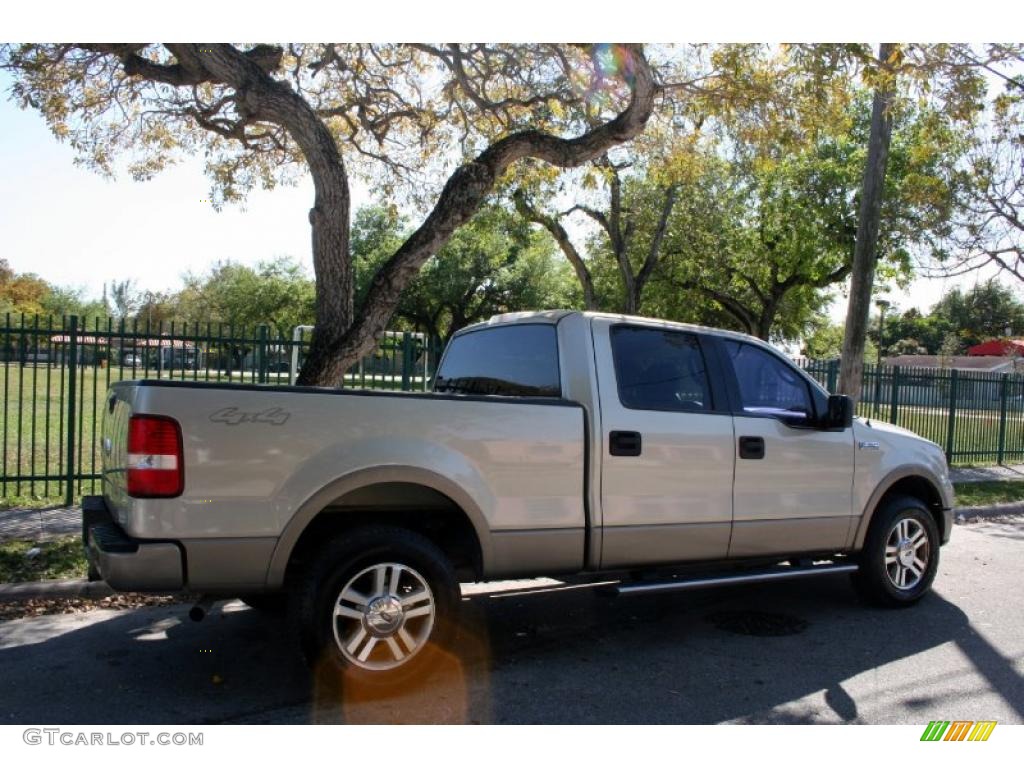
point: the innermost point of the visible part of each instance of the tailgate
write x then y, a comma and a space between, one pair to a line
118, 408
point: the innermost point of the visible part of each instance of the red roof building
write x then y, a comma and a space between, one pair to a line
998, 348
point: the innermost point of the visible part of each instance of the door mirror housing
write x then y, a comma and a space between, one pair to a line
840, 412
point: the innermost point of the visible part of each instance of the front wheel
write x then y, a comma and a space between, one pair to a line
376, 606
900, 555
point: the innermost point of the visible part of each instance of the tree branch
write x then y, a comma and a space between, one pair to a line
557, 231
469, 185
654, 252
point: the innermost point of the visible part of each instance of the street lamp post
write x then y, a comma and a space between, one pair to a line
882, 305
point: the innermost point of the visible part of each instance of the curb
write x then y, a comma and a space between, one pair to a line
54, 588
963, 514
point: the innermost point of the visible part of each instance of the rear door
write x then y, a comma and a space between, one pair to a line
666, 446
793, 489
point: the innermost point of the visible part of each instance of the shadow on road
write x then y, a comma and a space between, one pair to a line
550, 655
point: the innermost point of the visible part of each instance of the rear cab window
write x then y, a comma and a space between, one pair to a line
510, 360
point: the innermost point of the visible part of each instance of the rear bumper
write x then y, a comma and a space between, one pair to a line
947, 524
127, 564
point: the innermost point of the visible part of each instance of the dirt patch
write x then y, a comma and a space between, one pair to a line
46, 606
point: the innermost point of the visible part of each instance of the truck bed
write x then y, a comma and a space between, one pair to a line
259, 458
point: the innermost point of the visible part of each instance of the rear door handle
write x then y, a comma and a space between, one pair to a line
624, 443
751, 447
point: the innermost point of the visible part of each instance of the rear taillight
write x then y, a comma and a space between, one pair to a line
155, 466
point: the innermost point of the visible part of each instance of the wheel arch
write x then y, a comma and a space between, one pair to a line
905, 481
375, 496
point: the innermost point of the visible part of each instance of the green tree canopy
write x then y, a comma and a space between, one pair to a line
278, 292
987, 311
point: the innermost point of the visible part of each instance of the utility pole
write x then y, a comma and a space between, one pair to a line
865, 251
882, 305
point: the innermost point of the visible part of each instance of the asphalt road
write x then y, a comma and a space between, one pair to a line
536, 653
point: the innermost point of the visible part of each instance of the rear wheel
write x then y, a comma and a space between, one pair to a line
376, 606
900, 555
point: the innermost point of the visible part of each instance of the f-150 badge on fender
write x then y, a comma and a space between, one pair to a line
233, 417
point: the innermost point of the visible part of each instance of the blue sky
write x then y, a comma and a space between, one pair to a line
74, 227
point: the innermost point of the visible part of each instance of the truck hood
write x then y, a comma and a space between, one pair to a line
867, 426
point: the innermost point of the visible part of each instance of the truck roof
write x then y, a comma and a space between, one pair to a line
553, 316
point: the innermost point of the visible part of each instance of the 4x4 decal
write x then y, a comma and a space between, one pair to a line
233, 417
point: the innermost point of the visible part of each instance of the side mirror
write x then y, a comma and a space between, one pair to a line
840, 412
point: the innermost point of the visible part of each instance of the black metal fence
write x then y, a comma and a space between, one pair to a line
977, 417
55, 372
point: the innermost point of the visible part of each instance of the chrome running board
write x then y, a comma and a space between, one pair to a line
775, 574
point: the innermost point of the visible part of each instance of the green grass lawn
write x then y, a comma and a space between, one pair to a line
33, 400
975, 432
988, 492
58, 559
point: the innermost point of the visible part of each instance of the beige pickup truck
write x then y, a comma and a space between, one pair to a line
552, 443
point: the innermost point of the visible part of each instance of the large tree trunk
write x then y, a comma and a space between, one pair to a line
865, 251
262, 97
767, 319
332, 265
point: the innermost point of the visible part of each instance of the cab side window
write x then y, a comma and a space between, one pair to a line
659, 370
768, 386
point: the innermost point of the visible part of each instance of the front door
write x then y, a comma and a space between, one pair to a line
666, 449
794, 482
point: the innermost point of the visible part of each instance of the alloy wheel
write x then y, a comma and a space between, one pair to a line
907, 552
383, 616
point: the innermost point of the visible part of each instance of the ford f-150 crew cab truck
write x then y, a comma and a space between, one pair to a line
553, 443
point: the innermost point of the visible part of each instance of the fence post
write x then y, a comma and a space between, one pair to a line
406, 359
261, 352
1004, 392
894, 395
833, 375
877, 368
951, 427
69, 469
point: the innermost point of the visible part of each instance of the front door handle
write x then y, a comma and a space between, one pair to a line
751, 447
624, 443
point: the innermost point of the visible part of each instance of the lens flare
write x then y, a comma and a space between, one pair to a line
608, 59
611, 62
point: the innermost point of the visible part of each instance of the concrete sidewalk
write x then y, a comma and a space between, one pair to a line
980, 474
40, 524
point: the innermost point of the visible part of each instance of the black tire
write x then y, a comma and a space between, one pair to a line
876, 580
271, 603
356, 555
